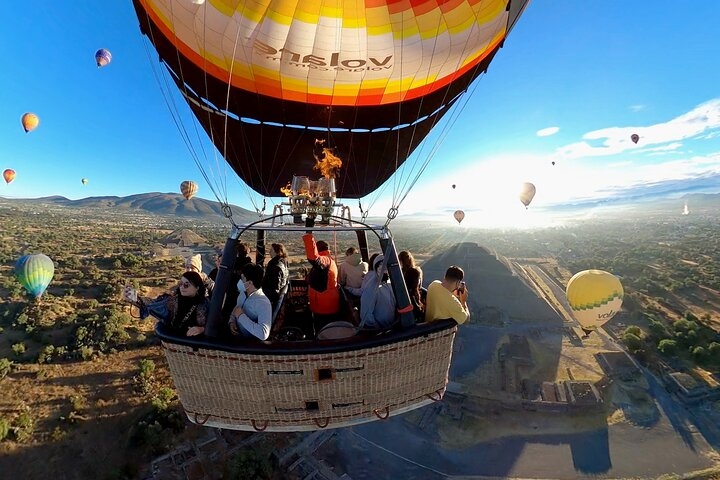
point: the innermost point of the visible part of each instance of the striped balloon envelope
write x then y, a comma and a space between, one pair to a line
373, 77
188, 188
595, 296
35, 272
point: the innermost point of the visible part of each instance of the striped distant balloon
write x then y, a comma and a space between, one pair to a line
35, 272
103, 57
188, 188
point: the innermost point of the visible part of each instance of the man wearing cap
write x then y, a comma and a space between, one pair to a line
323, 293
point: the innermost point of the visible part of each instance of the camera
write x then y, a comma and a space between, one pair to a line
461, 287
130, 294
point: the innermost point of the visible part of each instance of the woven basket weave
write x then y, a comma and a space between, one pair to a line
258, 391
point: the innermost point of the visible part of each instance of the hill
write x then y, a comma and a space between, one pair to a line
157, 203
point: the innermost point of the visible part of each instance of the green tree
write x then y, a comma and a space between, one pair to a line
632, 342
667, 346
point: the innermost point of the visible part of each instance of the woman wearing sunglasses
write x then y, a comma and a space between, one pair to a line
184, 310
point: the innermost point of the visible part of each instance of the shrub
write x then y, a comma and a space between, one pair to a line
18, 349
667, 346
23, 427
4, 429
632, 341
635, 330
5, 367
248, 463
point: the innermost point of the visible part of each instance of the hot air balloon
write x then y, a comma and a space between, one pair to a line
527, 192
375, 100
635, 137
35, 272
595, 296
84, 181
188, 188
30, 121
9, 175
103, 57
281, 93
453, 186
459, 215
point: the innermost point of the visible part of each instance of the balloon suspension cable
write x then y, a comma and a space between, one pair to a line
363, 213
261, 211
217, 185
456, 106
392, 213
163, 84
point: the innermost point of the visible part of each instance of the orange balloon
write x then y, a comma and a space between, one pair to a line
9, 175
30, 121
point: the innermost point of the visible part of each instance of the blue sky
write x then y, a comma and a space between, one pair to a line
573, 82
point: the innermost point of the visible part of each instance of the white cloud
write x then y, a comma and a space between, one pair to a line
703, 120
637, 108
546, 132
670, 147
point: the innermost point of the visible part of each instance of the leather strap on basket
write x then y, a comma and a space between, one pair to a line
436, 396
198, 419
322, 425
262, 429
379, 415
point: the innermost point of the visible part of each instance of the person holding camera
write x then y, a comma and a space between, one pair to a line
184, 310
447, 298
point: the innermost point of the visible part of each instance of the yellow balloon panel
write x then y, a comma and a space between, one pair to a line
595, 296
334, 53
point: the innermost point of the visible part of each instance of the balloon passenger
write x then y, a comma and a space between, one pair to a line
353, 269
447, 298
184, 311
377, 304
323, 293
252, 317
413, 276
276, 281
194, 264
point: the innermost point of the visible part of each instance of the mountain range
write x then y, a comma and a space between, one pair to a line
156, 203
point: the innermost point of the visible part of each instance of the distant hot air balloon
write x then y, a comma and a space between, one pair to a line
634, 137
188, 189
30, 121
35, 272
595, 296
527, 192
84, 181
9, 175
103, 57
459, 215
553, 162
453, 186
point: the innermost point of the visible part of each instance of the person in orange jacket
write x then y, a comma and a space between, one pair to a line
323, 293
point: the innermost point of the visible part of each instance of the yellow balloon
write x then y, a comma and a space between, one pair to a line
595, 296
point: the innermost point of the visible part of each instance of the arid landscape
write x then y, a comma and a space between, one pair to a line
87, 393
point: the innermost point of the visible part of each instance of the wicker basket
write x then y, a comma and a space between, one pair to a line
266, 391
